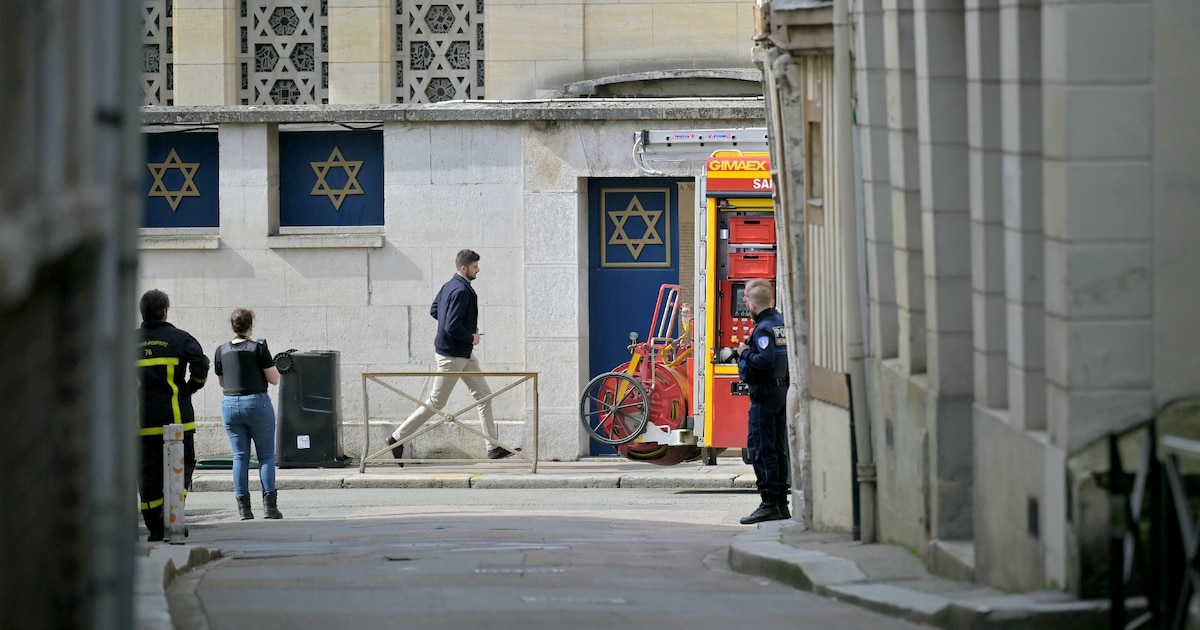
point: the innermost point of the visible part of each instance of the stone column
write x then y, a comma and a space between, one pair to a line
1021, 92
904, 175
249, 156
987, 201
206, 38
941, 72
1100, 213
360, 51
945, 198
1176, 196
872, 119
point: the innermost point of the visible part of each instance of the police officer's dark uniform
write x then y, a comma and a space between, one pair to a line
763, 367
166, 355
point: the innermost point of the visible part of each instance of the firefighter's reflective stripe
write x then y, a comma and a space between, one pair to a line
157, 502
187, 426
170, 363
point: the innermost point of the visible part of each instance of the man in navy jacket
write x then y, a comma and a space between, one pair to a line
456, 309
762, 365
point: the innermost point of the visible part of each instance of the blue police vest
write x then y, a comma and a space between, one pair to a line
764, 363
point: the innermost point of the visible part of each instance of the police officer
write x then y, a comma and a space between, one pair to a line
171, 367
762, 365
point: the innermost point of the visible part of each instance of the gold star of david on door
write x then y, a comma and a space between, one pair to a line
159, 170
648, 246
350, 167
649, 237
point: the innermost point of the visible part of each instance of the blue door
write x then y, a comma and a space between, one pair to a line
633, 250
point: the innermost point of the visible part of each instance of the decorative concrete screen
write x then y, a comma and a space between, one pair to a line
438, 52
158, 68
330, 178
283, 54
180, 180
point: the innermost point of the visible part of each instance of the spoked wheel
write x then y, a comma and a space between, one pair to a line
614, 408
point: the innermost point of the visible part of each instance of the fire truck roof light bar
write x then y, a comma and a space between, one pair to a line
693, 144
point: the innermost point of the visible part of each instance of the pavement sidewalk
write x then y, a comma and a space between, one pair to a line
891, 580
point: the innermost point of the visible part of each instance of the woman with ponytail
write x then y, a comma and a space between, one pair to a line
244, 369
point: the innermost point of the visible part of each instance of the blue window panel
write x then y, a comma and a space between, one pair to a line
180, 180
331, 178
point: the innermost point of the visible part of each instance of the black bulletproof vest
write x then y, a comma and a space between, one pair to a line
241, 373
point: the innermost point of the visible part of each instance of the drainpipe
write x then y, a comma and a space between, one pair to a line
843, 138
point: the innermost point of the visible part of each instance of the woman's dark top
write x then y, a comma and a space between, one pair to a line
241, 363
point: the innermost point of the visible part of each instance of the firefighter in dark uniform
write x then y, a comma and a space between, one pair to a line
171, 367
762, 365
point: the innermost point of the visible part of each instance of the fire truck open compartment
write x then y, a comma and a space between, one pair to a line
679, 397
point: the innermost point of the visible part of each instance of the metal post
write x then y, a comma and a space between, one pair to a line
173, 489
362, 459
535, 422
1118, 508
1155, 553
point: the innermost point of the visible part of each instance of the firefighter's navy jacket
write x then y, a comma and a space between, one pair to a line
457, 310
764, 362
166, 355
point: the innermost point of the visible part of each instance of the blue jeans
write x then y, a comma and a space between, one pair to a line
249, 418
767, 443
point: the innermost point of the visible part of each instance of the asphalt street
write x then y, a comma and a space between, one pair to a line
478, 558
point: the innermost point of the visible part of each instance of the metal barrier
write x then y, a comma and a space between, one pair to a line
443, 417
1153, 536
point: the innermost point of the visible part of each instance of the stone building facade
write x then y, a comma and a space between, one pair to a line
1026, 189
474, 155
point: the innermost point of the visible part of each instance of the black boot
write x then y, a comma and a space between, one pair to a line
244, 508
271, 510
154, 523
767, 512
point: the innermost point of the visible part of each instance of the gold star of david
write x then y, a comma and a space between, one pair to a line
649, 237
158, 189
351, 169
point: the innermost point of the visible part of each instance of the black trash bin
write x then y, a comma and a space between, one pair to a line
308, 433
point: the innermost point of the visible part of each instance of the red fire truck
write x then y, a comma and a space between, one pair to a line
679, 398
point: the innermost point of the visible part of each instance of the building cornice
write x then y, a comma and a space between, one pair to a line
730, 109
798, 26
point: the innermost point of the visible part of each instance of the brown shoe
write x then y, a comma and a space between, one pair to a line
397, 451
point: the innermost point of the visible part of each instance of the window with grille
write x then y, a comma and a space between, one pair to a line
158, 54
438, 53
283, 55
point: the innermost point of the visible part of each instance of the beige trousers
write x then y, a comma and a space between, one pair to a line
442, 386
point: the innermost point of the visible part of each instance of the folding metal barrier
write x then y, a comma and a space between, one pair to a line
383, 455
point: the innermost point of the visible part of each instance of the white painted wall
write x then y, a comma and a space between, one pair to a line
833, 476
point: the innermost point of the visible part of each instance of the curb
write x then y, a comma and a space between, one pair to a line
158, 566
760, 552
209, 482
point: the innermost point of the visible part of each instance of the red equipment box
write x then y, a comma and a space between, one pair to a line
752, 230
745, 265
730, 412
